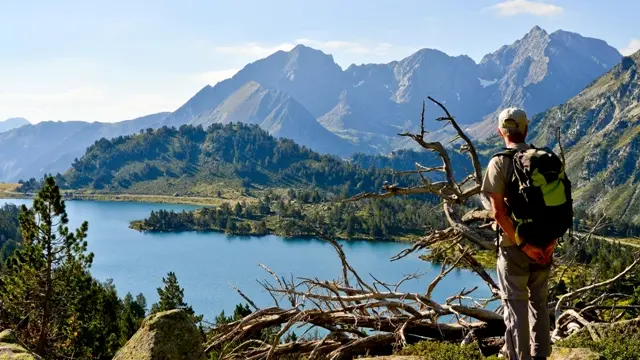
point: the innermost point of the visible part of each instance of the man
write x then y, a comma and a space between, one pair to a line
523, 269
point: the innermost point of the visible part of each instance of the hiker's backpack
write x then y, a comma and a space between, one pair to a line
538, 195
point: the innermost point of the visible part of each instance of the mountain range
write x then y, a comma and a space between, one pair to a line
304, 95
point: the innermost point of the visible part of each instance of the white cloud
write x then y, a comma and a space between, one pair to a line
632, 47
518, 7
215, 76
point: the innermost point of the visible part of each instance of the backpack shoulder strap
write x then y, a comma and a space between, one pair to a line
506, 152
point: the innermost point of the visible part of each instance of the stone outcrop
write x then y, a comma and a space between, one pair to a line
169, 335
11, 349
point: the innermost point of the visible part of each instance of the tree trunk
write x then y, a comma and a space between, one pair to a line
42, 340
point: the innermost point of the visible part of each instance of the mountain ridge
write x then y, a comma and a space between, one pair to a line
366, 106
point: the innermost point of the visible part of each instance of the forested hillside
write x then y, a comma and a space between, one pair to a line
192, 159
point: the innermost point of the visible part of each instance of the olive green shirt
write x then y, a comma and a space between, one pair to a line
495, 181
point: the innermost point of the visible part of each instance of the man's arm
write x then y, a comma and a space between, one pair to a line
499, 209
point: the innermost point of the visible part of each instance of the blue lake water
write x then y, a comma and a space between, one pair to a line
207, 263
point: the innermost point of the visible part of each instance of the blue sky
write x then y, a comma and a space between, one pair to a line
116, 60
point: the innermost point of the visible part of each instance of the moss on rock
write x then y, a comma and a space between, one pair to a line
10, 348
169, 335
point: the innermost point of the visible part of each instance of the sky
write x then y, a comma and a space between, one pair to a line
120, 59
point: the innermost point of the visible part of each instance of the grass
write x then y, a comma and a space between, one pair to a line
208, 196
624, 240
8, 187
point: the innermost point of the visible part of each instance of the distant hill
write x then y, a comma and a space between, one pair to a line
12, 123
600, 128
189, 159
51, 146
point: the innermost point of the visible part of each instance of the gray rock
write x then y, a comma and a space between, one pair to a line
169, 335
11, 349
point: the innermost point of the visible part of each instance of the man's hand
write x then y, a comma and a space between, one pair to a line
535, 253
548, 251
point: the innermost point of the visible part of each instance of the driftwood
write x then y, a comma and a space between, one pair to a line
365, 317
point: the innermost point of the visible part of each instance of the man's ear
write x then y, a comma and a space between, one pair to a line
500, 132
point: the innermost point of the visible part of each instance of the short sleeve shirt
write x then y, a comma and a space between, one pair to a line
495, 181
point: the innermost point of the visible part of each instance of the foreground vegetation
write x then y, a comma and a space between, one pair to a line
102, 321
615, 343
48, 294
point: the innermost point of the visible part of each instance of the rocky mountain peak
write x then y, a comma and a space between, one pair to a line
536, 31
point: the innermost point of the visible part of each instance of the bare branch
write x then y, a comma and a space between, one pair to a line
245, 297
469, 145
444, 272
566, 297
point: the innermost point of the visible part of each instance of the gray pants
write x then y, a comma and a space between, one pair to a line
524, 286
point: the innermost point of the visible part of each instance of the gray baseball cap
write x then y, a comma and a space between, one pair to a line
512, 120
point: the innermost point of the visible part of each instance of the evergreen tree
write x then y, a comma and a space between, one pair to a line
133, 313
45, 278
172, 297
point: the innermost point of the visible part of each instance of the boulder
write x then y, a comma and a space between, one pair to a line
11, 349
169, 335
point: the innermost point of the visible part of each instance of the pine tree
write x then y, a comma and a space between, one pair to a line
45, 277
133, 313
172, 297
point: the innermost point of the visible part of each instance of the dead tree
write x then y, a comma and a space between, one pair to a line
361, 316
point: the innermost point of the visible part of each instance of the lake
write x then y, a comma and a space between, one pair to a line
207, 263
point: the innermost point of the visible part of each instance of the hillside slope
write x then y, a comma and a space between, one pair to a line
600, 130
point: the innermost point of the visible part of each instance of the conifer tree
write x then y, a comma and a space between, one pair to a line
42, 278
172, 297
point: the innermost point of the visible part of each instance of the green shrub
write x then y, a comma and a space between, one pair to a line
437, 350
620, 343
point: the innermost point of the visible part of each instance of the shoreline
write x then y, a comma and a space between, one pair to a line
139, 198
134, 225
